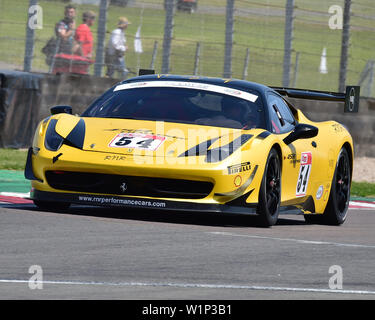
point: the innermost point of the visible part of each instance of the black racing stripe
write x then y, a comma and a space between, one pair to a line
263, 135
223, 152
77, 136
216, 154
200, 149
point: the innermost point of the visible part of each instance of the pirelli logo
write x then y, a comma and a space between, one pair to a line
237, 168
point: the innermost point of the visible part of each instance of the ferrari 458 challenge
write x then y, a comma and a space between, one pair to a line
198, 144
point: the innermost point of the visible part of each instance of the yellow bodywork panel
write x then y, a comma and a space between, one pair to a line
65, 124
233, 160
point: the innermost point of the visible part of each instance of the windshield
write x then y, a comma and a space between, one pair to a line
181, 105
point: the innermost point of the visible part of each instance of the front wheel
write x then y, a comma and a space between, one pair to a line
270, 191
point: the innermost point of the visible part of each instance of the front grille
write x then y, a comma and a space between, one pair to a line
128, 185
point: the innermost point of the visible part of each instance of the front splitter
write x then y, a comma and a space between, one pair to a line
136, 202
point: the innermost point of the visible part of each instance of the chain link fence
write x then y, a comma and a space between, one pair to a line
296, 43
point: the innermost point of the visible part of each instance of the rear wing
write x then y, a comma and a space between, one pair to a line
350, 97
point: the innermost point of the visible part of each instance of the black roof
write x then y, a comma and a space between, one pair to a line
231, 83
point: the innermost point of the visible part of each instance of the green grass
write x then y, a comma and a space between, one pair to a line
363, 189
12, 159
263, 34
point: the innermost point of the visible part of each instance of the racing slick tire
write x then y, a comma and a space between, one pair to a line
270, 191
337, 207
51, 206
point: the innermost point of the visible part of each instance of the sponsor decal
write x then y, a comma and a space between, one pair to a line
237, 168
238, 192
144, 131
338, 127
306, 158
237, 181
304, 173
115, 157
292, 157
189, 85
120, 201
137, 141
319, 193
122, 130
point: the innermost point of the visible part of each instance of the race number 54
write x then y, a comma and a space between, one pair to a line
137, 141
304, 174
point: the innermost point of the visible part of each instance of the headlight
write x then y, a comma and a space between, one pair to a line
53, 140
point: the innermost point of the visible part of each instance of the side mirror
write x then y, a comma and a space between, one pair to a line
61, 109
301, 131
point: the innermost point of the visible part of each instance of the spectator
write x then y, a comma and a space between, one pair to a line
65, 29
116, 48
83, 36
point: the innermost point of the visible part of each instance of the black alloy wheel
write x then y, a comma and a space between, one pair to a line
270, 191
342, 183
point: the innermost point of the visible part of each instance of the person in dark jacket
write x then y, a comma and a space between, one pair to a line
65, 30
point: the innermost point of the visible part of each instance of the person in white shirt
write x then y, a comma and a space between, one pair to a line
116, 48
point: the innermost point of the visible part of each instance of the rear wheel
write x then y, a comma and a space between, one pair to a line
338, 203
51, 206
270, 191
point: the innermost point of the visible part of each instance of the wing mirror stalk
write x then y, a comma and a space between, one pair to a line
61, 109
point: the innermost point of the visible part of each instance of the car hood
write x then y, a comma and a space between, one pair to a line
158, 138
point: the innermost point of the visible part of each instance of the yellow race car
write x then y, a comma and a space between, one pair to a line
196, 144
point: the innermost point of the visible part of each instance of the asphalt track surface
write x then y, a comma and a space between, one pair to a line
99, 253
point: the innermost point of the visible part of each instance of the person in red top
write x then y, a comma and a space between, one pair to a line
83, 35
